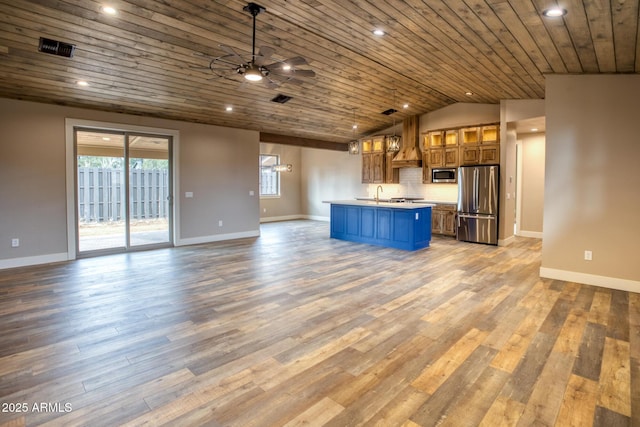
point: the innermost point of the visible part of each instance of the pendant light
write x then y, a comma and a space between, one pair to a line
393, 145
354, 146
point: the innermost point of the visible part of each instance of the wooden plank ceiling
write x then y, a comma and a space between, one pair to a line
151, 57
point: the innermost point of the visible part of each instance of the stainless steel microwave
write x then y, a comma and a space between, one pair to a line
444, 175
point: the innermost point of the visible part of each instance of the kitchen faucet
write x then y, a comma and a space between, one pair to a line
377, 195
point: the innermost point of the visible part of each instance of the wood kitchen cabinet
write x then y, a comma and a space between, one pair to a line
490, 134
481, 145
426, 169
376, 162
451, 138
469, 155
434, 139
367, 164
480, 155
373, 168
470, 136
440, 150
443, 157
377, 168
443, 219
490, 154
391, 174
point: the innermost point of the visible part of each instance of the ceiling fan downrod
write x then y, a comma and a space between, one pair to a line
254, 9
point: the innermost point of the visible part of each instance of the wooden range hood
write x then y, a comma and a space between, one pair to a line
409, 155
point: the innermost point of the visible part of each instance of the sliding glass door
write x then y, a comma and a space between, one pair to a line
123, 191
149, 196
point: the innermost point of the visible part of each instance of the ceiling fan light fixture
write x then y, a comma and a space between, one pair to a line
253, 74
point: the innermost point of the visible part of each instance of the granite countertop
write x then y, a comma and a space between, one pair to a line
354, 202
435, 202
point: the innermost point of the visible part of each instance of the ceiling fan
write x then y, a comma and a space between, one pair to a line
259, 67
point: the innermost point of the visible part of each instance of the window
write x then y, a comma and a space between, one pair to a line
269, 180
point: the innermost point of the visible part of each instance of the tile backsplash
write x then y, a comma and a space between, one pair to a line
411, 185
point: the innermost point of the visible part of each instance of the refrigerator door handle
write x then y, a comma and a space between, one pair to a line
474, 217
476, 188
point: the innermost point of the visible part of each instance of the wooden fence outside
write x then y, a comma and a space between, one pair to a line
101, 194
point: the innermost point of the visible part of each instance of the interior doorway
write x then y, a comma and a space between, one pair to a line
123, 191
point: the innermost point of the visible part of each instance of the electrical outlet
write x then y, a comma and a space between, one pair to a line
15, 243
588, 255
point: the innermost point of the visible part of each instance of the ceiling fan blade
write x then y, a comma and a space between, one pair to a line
304, 73
234, 55
282, 75
292, 62
298, 60
293, 81
264, 54
282, 79
270, 84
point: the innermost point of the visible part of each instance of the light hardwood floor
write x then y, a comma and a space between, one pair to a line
294, 328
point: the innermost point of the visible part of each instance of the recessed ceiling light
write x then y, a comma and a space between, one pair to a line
104, 138
469, 93
109, 10
229, 108
355, 126
534, 129
378, 32
554, 12
82, 83
405, 106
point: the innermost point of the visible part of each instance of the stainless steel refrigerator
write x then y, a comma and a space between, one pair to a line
477, 219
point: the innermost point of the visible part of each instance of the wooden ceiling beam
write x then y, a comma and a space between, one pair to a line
302, 142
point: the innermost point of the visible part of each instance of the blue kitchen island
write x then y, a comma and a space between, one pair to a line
395, 225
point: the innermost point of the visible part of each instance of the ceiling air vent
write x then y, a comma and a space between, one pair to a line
389, 112
55, 47
281, 99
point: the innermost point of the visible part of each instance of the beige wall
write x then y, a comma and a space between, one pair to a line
592, 180
460, 114
532, 185
288, 204
328, 175
32, 180
219, 165
511, 111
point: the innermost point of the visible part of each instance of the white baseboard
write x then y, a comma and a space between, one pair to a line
33, 260
318, 218
281, 218
294, 217
591, 279
534, 234
217, 238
